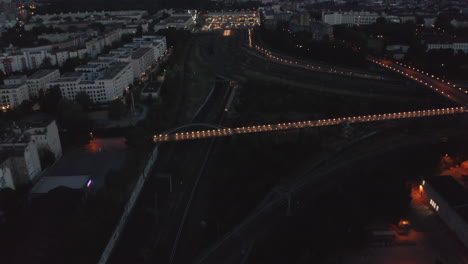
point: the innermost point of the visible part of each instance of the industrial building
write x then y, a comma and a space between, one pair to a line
449, 199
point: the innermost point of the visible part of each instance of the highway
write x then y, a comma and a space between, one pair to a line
315, 67
282, 59
223, 132
436, 83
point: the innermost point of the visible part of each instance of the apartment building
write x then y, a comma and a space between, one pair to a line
13, 95
158, 43
17, 60
178, 21
354, 18
102, 80
455, 46
19, 163
42, 133
38, 81
142, 59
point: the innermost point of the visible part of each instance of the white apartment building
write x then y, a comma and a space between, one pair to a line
31, 58
19, 150
108, 86
158, 43
142, 59
68, 84
178, 21
114, 81
13, 95
43, 134
21, 158
453, 46
15, 79
355, 18
91, 71
128, 15
38, 81
94, 46
6, 178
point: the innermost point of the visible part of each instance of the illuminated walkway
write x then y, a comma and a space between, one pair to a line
224, 132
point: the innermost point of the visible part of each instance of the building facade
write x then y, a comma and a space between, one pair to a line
38, 81
453, 46
44, 135
13, 95
6, 178
103, 85
22, 161
354, 18
449, 200
142, 59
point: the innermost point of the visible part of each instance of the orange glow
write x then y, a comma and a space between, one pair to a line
421, 188
404, 223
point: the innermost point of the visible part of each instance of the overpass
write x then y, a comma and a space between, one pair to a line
225, 132
437, 84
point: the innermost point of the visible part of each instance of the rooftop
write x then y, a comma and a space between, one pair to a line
114, 70
41, 73
9, 87
48, 183
177, 19
140, 53
448, 187
69, 77
87, 66
13, 77
12, 151
454, 193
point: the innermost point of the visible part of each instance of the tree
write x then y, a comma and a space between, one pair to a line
98, 26
46, 157
72, 117
139, 31
25, 107
138, 138
2, 76
83, 99
381, 20
116, 109
50, 99
71, 63
46, 63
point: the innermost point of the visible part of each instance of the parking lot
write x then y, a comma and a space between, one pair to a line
230, 20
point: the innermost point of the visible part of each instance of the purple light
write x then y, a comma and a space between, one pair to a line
89, 183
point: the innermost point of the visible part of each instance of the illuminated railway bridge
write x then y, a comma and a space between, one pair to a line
224, 132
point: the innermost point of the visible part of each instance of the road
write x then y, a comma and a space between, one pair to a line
444, 87
315, 67
288, 61
222, 132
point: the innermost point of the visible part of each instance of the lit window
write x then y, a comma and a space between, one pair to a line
434, 205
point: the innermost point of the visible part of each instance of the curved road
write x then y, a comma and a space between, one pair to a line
444, 87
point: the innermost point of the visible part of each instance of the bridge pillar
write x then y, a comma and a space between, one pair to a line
347, 129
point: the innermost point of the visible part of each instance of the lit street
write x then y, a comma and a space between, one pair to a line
436, 83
